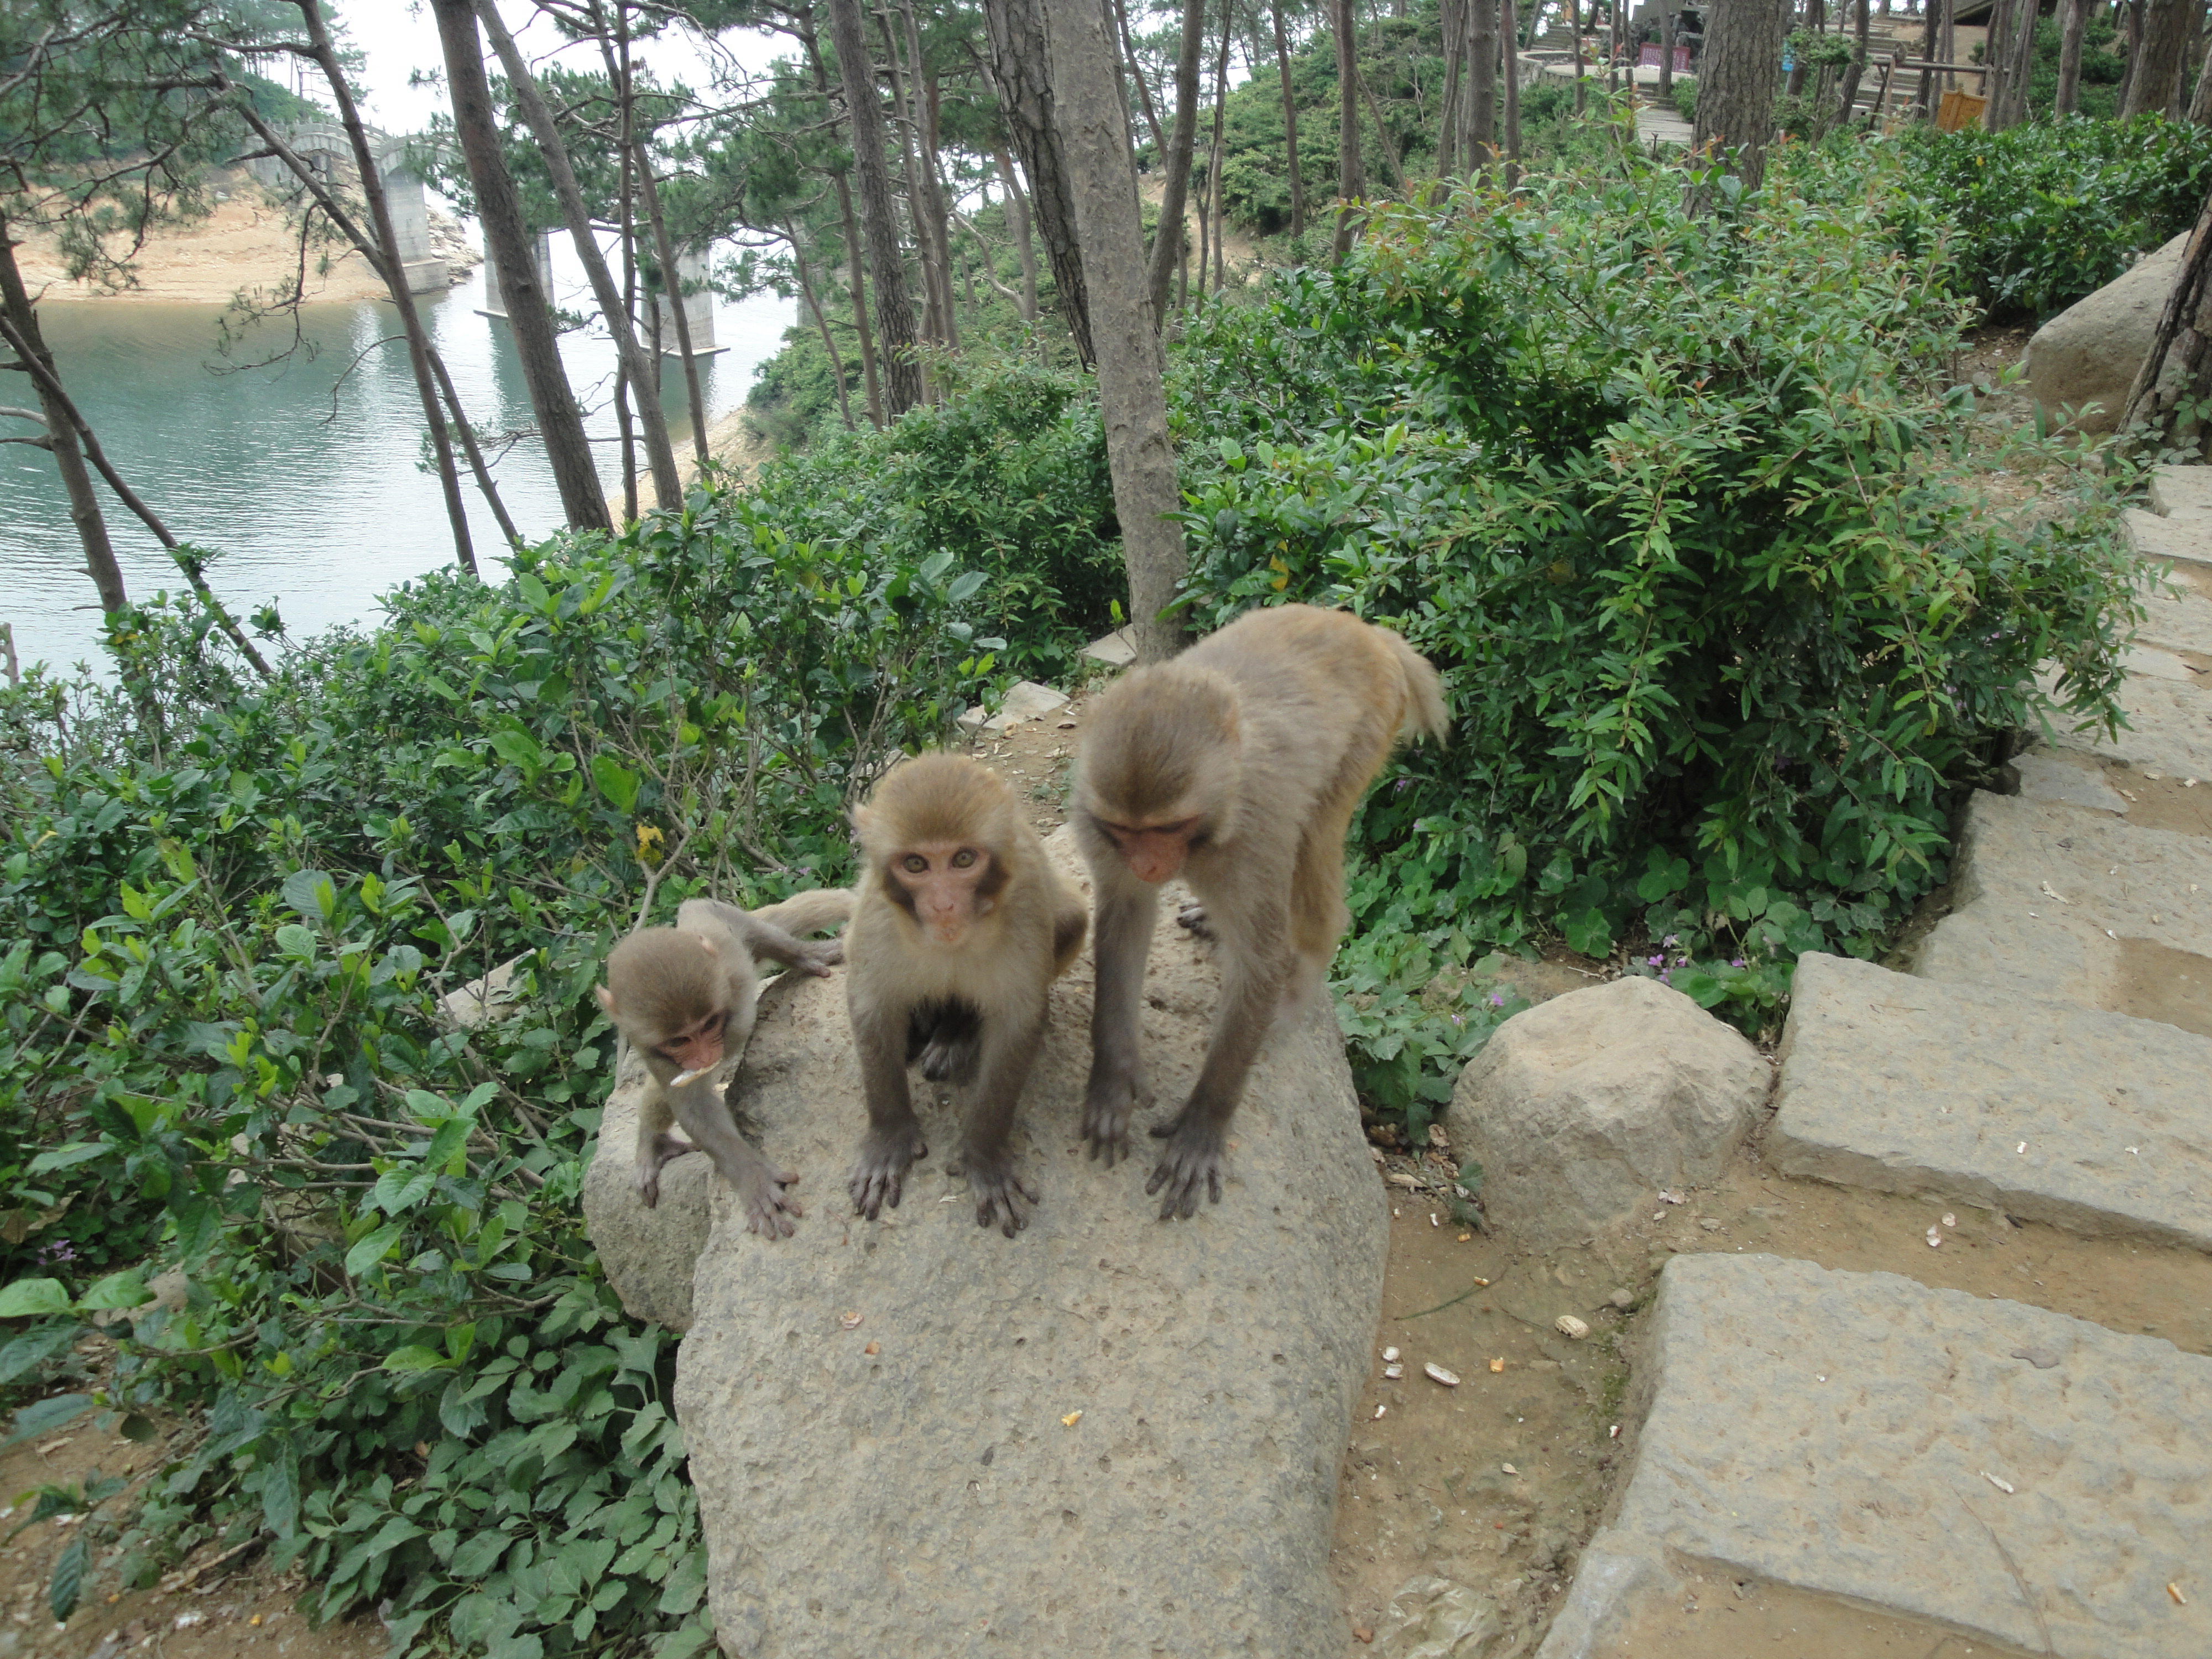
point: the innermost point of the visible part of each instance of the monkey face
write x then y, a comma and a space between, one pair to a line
947, 887
697, 1047
1153, 852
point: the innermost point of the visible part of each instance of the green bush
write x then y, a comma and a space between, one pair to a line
228, 937
2042, 214
1680, 507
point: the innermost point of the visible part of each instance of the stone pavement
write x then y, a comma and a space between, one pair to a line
1996, 1471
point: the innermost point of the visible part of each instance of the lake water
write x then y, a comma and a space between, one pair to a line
311, 490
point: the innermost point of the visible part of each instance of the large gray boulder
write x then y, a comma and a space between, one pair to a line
2084, 358
1108, 1436
1578, 1110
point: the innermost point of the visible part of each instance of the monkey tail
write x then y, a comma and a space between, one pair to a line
1426, 715
811, 911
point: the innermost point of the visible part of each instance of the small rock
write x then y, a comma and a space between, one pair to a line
1118, 649
1568, 1325
1624, 1300
1709, 1224
2042, 1358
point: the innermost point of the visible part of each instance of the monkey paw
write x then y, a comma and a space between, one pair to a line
999, 1193
1191, 915
1191, 1164
1107, 1107
819, 958
664, 1146
882, 1164
769, 1210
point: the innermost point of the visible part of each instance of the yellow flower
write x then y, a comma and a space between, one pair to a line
649, 840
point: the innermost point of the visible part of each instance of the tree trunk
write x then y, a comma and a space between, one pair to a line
660, 454
1213, 156
1172, 231
1017, 218
61, 436
2075, 17
1736, 83
395, 280
1137, 72
1481, 102
2167, 26
2130, 32
1351, 177
1133, 400
862, 110
1290, 126
1816, 19
1667, 52
1574, 32
1856, 68
529, 308
821, 322
625, 423
649, 193
1448, 121
2184, 322
1510, 28
1021, 67
936, 291
2200, 106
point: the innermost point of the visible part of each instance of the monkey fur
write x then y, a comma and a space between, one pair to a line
684, 998
1237, 765
960, 927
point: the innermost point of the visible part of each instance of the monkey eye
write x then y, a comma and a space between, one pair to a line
916, 864
963, 859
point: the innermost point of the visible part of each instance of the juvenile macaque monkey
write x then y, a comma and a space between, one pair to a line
961, 927
1236, 765
685, 996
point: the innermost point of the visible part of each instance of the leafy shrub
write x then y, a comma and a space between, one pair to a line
2046, 212
1680, 507
229, 943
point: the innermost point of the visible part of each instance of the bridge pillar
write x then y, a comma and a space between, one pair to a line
411, 227
698, 302
541, 259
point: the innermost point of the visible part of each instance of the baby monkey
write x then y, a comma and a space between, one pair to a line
961, 927
684, 997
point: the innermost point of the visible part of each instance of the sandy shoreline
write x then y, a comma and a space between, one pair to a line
248, 244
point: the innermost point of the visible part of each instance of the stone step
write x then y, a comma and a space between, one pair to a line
2187, 540
2046, 1110
2145, 797
2062, 904
1845, 1435
2169, 727
2179, 618
1107, 1435
2179, 490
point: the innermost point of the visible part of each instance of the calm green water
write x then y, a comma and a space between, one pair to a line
316, 504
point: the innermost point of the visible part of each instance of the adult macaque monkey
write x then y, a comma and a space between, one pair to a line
1236, 765
961, 929
685, 996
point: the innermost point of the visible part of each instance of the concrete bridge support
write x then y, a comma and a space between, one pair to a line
698, 302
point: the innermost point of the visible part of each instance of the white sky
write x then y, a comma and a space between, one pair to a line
400, 38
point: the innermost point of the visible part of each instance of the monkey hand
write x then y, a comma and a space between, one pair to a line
664, 1146
819, 957
1108, 1104
999, 1194
1191, 1163
882, 1164
1191, 916
769, 1210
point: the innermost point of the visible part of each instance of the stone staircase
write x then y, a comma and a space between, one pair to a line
2027, 1482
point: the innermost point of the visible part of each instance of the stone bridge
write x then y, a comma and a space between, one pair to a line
324, 146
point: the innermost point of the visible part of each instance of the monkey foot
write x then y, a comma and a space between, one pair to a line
1192, 915
999, 1194
818, 957
1192, 1165
769, 1210
882, 1164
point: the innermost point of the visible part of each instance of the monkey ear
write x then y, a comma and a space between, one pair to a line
862, 817
606, 997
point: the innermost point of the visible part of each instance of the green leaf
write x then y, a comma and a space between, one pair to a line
313, 894
28, 1298
68, 1157
415, 1358
402, 1189
373, 1249
68, 1582
44, 1416
295, 940
122, 1290
280, 1494
615, 781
